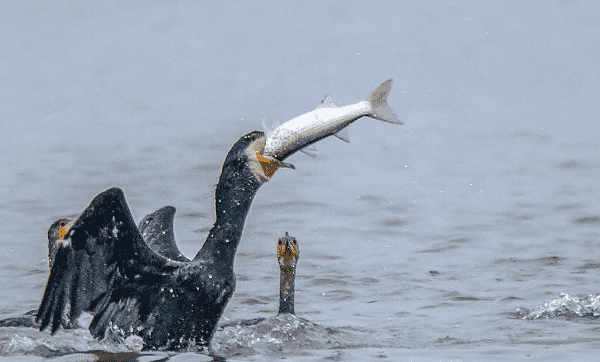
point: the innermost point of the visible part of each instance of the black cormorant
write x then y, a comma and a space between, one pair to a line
288, 252
56, 232
103, 265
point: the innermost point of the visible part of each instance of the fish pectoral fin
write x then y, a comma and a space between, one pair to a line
343, 135
309, 151
327, 102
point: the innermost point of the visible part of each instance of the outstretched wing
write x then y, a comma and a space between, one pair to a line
157, 230
102, 249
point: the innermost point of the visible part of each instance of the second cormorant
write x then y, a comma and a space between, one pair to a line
288, 252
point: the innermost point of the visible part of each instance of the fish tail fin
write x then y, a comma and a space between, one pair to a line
381, 109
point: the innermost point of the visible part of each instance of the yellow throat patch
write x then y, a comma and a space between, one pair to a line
268, 164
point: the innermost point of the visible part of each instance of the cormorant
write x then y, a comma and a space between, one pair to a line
288, 252
56, 232
103, 265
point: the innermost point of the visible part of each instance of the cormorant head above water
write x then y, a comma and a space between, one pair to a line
288, 252
103, 266
56, 232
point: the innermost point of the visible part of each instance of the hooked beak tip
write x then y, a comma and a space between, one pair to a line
288, 165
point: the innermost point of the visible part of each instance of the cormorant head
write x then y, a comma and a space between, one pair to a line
247, 154
288, 251
56, 232
58, 229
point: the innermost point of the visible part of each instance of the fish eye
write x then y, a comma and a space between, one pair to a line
62, 223
279, 242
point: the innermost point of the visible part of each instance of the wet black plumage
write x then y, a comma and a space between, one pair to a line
103, 265
157, 231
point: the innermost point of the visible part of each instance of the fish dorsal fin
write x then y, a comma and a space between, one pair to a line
327, 103
343, 135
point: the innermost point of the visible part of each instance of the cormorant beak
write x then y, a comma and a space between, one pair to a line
263, 166
270, 164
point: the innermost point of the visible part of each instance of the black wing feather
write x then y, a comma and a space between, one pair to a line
157, 230
102, 246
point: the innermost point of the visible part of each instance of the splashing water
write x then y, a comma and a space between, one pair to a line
28, 341
568, 307
271, 336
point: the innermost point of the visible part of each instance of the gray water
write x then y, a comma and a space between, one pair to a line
427, 241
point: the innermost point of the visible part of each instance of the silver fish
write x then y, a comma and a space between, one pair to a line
327, 120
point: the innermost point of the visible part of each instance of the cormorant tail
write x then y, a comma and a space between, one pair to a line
378, 100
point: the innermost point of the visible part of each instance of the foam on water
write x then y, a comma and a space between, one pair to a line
15, 341
272, 336
567, 307
284, 333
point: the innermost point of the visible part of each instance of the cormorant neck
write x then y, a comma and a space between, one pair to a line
233, 196
287, 278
